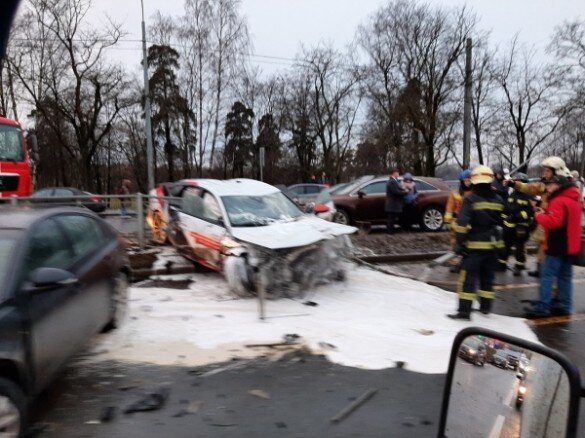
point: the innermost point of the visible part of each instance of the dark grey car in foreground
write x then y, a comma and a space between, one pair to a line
63, 278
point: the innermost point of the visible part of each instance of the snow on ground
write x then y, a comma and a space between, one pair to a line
373, 320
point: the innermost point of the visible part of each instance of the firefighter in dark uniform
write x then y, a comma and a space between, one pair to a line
518, 223
479, 241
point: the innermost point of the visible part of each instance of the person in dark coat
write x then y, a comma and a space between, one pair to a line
478, 242
394, 200
499, 186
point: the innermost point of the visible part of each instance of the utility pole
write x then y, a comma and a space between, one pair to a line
467, 107
262, 162
149, 148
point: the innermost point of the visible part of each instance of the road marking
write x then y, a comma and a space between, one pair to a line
508, 402
557, 319
497, 429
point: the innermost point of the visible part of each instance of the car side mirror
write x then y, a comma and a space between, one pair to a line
488, 400
33, 146
51, 278
310, 208
361, 194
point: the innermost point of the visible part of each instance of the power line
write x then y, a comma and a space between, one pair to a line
284, 60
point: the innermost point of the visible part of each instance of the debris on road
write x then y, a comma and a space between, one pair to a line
108, 414
151, 402
259, 393
354, 405
426, 332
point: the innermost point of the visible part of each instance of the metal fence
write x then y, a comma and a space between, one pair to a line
131, 222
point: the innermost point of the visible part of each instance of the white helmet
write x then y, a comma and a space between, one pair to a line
482, 175
555, 163
564, 172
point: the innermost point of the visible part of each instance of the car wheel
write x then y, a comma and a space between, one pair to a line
159, 227
12, 409
432, 219
341, 217
119, 302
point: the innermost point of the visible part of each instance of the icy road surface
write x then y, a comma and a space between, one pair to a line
370, 321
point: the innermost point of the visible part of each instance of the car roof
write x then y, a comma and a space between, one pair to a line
233, 187
438, 183
21, 218
308, 184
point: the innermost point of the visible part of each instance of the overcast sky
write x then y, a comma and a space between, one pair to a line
279, 26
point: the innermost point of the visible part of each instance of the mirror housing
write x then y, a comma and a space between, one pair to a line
361, 194
570, 375
51, 278
33, 145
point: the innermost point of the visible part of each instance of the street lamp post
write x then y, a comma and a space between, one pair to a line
149, 148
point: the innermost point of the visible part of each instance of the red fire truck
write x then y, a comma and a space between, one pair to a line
15, 166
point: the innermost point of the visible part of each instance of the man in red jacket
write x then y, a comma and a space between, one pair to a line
561, 222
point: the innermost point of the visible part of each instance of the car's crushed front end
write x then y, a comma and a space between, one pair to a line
286, 272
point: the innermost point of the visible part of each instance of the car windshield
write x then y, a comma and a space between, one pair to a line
255, 211
7, 245
11, 143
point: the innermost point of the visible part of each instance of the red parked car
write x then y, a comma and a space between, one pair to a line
365, 199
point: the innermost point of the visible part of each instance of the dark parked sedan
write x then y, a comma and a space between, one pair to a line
70, 196
365, 200
63, 278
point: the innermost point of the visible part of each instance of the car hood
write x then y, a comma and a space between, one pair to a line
304, 231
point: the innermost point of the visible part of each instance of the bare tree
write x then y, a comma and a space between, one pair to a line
529, 112
72, 77
415, 48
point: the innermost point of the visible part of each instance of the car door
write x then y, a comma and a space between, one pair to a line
55, 324
94, 255
371, 202
202, 222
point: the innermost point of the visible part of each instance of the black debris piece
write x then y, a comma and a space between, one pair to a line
151, 402
108, 414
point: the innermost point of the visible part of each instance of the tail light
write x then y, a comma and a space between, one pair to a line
95, 199
321, 208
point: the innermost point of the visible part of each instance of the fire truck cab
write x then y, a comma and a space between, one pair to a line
15, 166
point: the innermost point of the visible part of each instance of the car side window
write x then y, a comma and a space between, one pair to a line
375, 188
298, 190
423, 186
45, 193
313, 190
63, 193
48, 248
203, 207
85, 233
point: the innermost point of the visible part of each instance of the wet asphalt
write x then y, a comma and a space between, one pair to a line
295, 397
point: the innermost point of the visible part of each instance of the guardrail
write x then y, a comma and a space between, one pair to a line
130, 222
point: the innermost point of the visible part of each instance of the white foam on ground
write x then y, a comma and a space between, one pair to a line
373, 320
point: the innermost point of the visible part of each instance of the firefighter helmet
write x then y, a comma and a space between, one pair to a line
482, 175
522, 177
554, 163
563, 172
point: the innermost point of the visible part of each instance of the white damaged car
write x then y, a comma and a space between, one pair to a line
251, 232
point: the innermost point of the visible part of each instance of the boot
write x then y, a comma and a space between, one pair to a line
485, 305
536, 272
464, 311
502, 266
517, 271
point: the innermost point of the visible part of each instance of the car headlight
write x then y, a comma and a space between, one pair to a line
471, 351
522, 390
